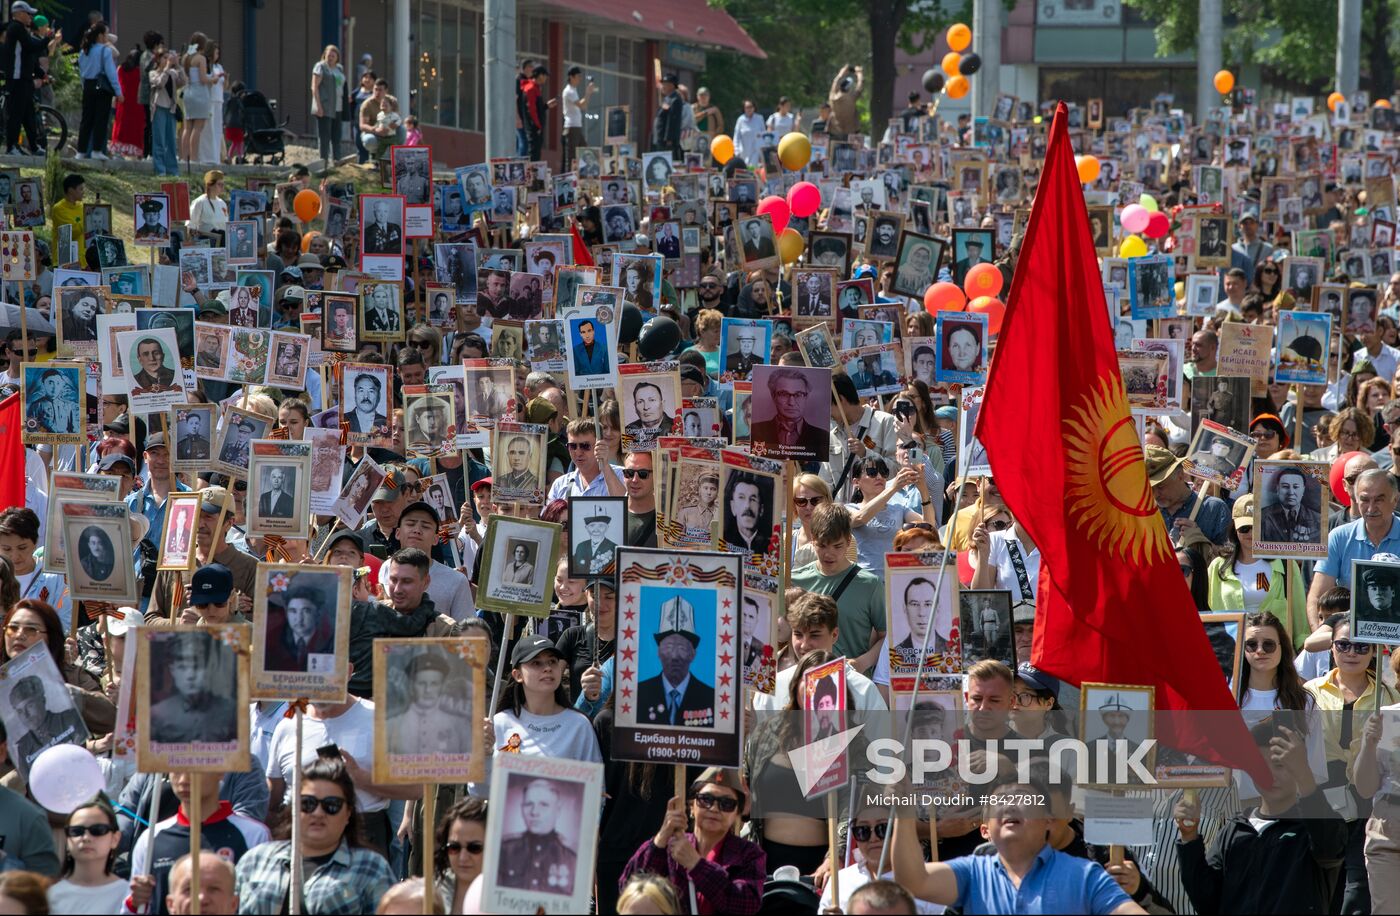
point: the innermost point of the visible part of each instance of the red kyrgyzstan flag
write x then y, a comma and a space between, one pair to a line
12, 466
1112, 605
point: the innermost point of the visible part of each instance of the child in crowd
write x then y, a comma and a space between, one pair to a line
413, 134
233, 120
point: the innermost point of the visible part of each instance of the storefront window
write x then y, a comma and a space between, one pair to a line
447, 44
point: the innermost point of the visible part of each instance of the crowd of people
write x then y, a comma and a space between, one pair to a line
893, 468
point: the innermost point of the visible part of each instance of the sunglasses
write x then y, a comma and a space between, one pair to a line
997, 524
723, 802
580, 446
29, 353
639, 473
916, 526
803, 502
1267, 646
1245, 529
876, 472
422, 344
474, 847
862, 832
331, 804
76, 830
1347, 647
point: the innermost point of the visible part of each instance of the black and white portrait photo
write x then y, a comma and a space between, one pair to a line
649, 401
235, 447
301, 630
194, 426
382, 229
883, 241
1218, 455
984, 617
99, 537
430, 691
518, 563
192, 701
1290, 506
597, 527
152, 212
759, 242
364, 400
815, 292
916, 267
37, 710
381, 305
1375, 612
748, 509
791, 411
412, 170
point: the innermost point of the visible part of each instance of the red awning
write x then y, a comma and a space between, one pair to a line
689, 21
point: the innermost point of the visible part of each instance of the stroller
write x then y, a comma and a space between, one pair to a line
264, 139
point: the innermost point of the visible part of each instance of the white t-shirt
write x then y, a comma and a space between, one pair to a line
853, 877
67, 897
1249, 581
1258, 705
781, 124
352, 731
567, 735
999, 556
573, 114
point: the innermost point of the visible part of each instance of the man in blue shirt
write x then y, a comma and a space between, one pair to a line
1178, 501
1026, 875
1376, 531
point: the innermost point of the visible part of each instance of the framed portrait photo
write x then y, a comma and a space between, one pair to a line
364, 398
916, 265
1219, 454
758, 242
279, 474
382, 235
36, 707
431, 698
97, 542
289, 356
354, 497
816, 345
192, 698
54, 395
1375, 614
517, 568
960, 339
177, 540
339, 329
918, 617
791, 411
234, 447
429, 419
1290, 509
597, 527
970, 248
814, 293
381, 311
985, 627
679, 606
650, 398
301, 632
1119, 715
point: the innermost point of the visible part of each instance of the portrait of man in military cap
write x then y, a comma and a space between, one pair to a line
195, 697
429, 716
542, 857
597, 526
153, 225
38, 711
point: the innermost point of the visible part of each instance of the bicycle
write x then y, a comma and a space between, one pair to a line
53, 128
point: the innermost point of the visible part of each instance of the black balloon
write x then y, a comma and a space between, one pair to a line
933, 80
631, 324
658, 338
969, 64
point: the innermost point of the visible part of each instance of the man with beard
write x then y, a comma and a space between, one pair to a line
1287, 519
748, 513
886, 234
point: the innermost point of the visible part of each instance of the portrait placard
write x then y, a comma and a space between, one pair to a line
589, 339
912, 607
1144, 375
381, 311
518, 459
985, 628
382, 236
236, 436
650, 399
677, 618
431, 698
339, 330
1119, 715
818, 349
490, 395
152, 215
78, 308
700, 417
177, 540
544, 824
693, 492
301, 632
109, 354
67, 488
36, 707
355, 495
98, 535
428, 419
1222, 400
758, 242
154, 377
916, 266
742, 415
243, 243
814, 291
248, 355
518, 562
1247, 349
824, 707
469, 435
921, 353
1375, 613
875, 369
762, 606
290, 353
1150, 292
960, 340
327, 465
1219, 455
365, 390
1290, 509
597, 527
278, 492
211, 350
54, 395
752, 488
192, 698
864, 332
972, 455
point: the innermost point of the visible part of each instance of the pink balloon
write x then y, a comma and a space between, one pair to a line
1134, 217
777, 208
1157, 225
804, 199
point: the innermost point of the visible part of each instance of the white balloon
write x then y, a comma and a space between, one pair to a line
65, 776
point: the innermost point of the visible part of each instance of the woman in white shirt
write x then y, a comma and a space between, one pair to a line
783, 121
209, 211
747, 130
1270, 684
87, 884
211, 139
534, 715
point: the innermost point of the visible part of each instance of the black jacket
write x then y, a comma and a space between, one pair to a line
19, 39
1283, 870
370, 620
666, 125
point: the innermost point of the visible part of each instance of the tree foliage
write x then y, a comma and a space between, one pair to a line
1294, 41
808, 41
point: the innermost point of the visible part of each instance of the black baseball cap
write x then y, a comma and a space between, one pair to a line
528, 647
211, 584
345, 534
115, 458
421, 506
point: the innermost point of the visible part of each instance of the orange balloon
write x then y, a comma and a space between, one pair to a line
993, 308
1382, 103
959, 36
722, 148
1224, 82
944, 297
1334, 100
307, 204
1088, 168
982, 280
950, 63
306, 240
957, 87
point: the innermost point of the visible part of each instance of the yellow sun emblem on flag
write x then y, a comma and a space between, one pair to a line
1108, 494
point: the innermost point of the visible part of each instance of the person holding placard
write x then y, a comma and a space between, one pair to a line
533, 715
727, 872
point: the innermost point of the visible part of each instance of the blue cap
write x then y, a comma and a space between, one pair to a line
211, 584
1038, 679
946, 412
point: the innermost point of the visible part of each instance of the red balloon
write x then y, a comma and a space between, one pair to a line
944, 297
804, 199
1334, 476
777, 208
1157, 225
983, 280
994, 309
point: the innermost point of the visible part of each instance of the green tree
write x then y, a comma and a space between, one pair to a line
809, 40
1293, 41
